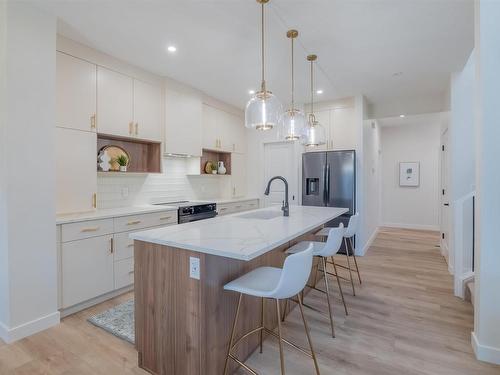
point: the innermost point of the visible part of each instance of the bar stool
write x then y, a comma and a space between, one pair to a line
273, 283
350, 232
324, 250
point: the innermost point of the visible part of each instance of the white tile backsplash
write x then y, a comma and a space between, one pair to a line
172, 185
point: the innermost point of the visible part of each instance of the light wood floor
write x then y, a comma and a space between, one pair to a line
404, 320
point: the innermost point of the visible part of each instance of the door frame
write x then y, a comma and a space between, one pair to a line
444, 198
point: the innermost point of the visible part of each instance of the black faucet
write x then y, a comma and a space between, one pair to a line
285, 208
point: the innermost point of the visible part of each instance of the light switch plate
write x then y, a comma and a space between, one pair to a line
194, 268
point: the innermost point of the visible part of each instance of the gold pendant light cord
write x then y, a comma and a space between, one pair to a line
263, 84
312, 92
293, 82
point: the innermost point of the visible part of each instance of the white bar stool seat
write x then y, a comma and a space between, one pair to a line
324, 250
275, 283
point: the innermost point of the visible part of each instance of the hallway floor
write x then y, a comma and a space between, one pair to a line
404, 320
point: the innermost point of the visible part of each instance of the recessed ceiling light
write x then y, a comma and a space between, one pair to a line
319, 92
402, 116
251, 92
397, 74
171, 48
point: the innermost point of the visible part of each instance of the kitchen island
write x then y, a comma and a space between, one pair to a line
183, 316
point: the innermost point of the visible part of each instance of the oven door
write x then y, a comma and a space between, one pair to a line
196, 217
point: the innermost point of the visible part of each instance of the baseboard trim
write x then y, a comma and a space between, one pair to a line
435, 228
369, 242
10, 335
485, 353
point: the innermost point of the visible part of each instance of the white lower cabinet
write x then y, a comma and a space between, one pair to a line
96, 257
87, 269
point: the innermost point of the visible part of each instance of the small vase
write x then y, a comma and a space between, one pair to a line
123, 168
220, 168
214, 171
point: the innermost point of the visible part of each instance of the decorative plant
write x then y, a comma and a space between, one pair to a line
122, 160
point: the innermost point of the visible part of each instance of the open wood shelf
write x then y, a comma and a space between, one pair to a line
145, 156
215, 156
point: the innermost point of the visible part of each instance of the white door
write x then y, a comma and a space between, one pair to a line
445, 203
76, 93
115, 103
87, 269
238, 175
281, 160
182, 123
147, 110
76, 170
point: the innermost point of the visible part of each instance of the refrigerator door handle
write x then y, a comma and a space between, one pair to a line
325, 186
327, 191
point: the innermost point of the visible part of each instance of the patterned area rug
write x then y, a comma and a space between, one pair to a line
118, 321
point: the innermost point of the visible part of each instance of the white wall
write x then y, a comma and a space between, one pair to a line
486, 335
415, 138
28, 202
371, 173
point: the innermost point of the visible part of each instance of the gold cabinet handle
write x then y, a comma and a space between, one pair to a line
93, 229
134, 222
111, 246
131, 128
92, 121
94, 200
136, 128
223, 209
234, 147
165, 217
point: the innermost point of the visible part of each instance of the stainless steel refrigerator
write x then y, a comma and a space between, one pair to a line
329, 179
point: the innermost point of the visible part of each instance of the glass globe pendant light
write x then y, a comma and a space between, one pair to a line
315, 134
264, 110
294, 121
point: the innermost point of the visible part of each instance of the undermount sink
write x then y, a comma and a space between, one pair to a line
262, 215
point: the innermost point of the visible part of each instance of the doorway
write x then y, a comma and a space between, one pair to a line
280, 159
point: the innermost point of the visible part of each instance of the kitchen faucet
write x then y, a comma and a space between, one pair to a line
285, 207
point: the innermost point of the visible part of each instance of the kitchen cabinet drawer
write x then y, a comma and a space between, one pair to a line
123, 246
135, 222
225, 209
251, 205
87, 269
86, 229
124, 273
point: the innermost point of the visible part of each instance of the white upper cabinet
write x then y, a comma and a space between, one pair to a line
222, 130
147, 111
115, 96
76, 176
210, 136
183, 118
343, 132
76, 93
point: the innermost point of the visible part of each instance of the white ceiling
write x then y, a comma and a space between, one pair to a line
360, 44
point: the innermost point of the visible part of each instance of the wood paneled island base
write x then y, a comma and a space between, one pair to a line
182, 325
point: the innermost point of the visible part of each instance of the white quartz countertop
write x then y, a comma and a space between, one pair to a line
111, 212
239, 236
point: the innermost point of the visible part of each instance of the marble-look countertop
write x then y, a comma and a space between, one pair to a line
111, 212
237, 237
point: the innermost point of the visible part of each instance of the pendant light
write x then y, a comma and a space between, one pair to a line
294, 121
315, 132
264, 110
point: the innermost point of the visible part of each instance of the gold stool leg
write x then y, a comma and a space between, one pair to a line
355, 261
283, 316
349, 265
261, 333
233, 332
340, 286
308, 336
328, 297
282, 358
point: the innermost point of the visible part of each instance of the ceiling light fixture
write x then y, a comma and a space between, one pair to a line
315, 132
171, 48
251, 92
402, 116
264, 110
319, 92
294, 121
